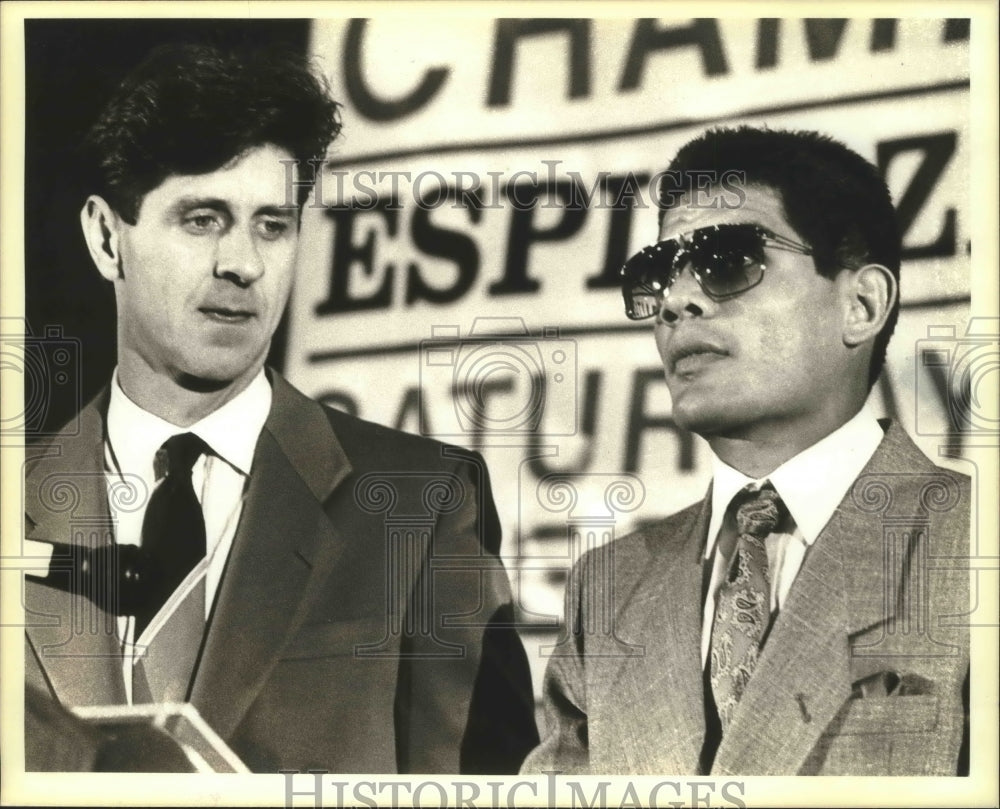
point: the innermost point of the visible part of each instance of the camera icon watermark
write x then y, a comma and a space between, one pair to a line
962, 372
501, 379
49, 366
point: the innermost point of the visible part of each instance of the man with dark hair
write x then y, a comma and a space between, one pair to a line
164, 121
218, 538
791, 622
834, 198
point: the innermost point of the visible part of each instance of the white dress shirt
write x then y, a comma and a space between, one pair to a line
219, 479
811, 484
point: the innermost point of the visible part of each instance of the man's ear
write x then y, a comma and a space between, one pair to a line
871, 293
101, 230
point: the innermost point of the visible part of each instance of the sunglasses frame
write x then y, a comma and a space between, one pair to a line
684, 242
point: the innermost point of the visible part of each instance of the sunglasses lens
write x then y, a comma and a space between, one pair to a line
642, 305
644, 278
728, 259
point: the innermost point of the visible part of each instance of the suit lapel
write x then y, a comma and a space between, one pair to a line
805, 671
659, 702
65, 500
284, 545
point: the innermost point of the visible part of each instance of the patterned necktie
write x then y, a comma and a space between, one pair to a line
173, 529
743, 607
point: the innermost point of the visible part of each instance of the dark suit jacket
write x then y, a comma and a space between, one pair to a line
878, 608
363, 621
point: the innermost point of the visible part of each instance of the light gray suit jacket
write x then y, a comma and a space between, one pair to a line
879, 607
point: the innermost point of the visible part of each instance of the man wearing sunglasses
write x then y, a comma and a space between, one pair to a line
796, 621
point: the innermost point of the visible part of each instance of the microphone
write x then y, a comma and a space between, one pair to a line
114, 577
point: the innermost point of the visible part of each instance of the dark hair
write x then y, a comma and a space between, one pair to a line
833, 198
190, 109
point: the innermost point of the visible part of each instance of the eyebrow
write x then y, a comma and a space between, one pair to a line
185, 204
284, 211
188, 203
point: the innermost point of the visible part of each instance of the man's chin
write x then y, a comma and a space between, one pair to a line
210, 373
705, 418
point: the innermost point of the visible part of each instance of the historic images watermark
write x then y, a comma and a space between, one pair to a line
551, 186
318, 789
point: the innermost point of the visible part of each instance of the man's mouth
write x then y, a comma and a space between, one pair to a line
688, 359
225, 314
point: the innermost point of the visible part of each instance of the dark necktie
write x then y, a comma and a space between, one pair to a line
743, 606
173, 529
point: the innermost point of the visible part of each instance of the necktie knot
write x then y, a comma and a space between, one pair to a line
178, 454
760, 513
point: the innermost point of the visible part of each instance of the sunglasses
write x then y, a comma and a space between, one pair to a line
725, 260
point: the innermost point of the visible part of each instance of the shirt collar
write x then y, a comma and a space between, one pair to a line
231, 431
811, 484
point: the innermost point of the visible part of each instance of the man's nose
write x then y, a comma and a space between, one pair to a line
685, 299
238, 258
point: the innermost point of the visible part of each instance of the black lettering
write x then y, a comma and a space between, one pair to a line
629, 189
508, 34
702, 34
467, 197
365, 196
523, 234
440, 242
767, 42
588, 429
937, 151
619, 237
364, 100
956, 30
580, 195
439, 192
347, 254
394, 177
639, 421
883, 35
412, 410
823, 37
